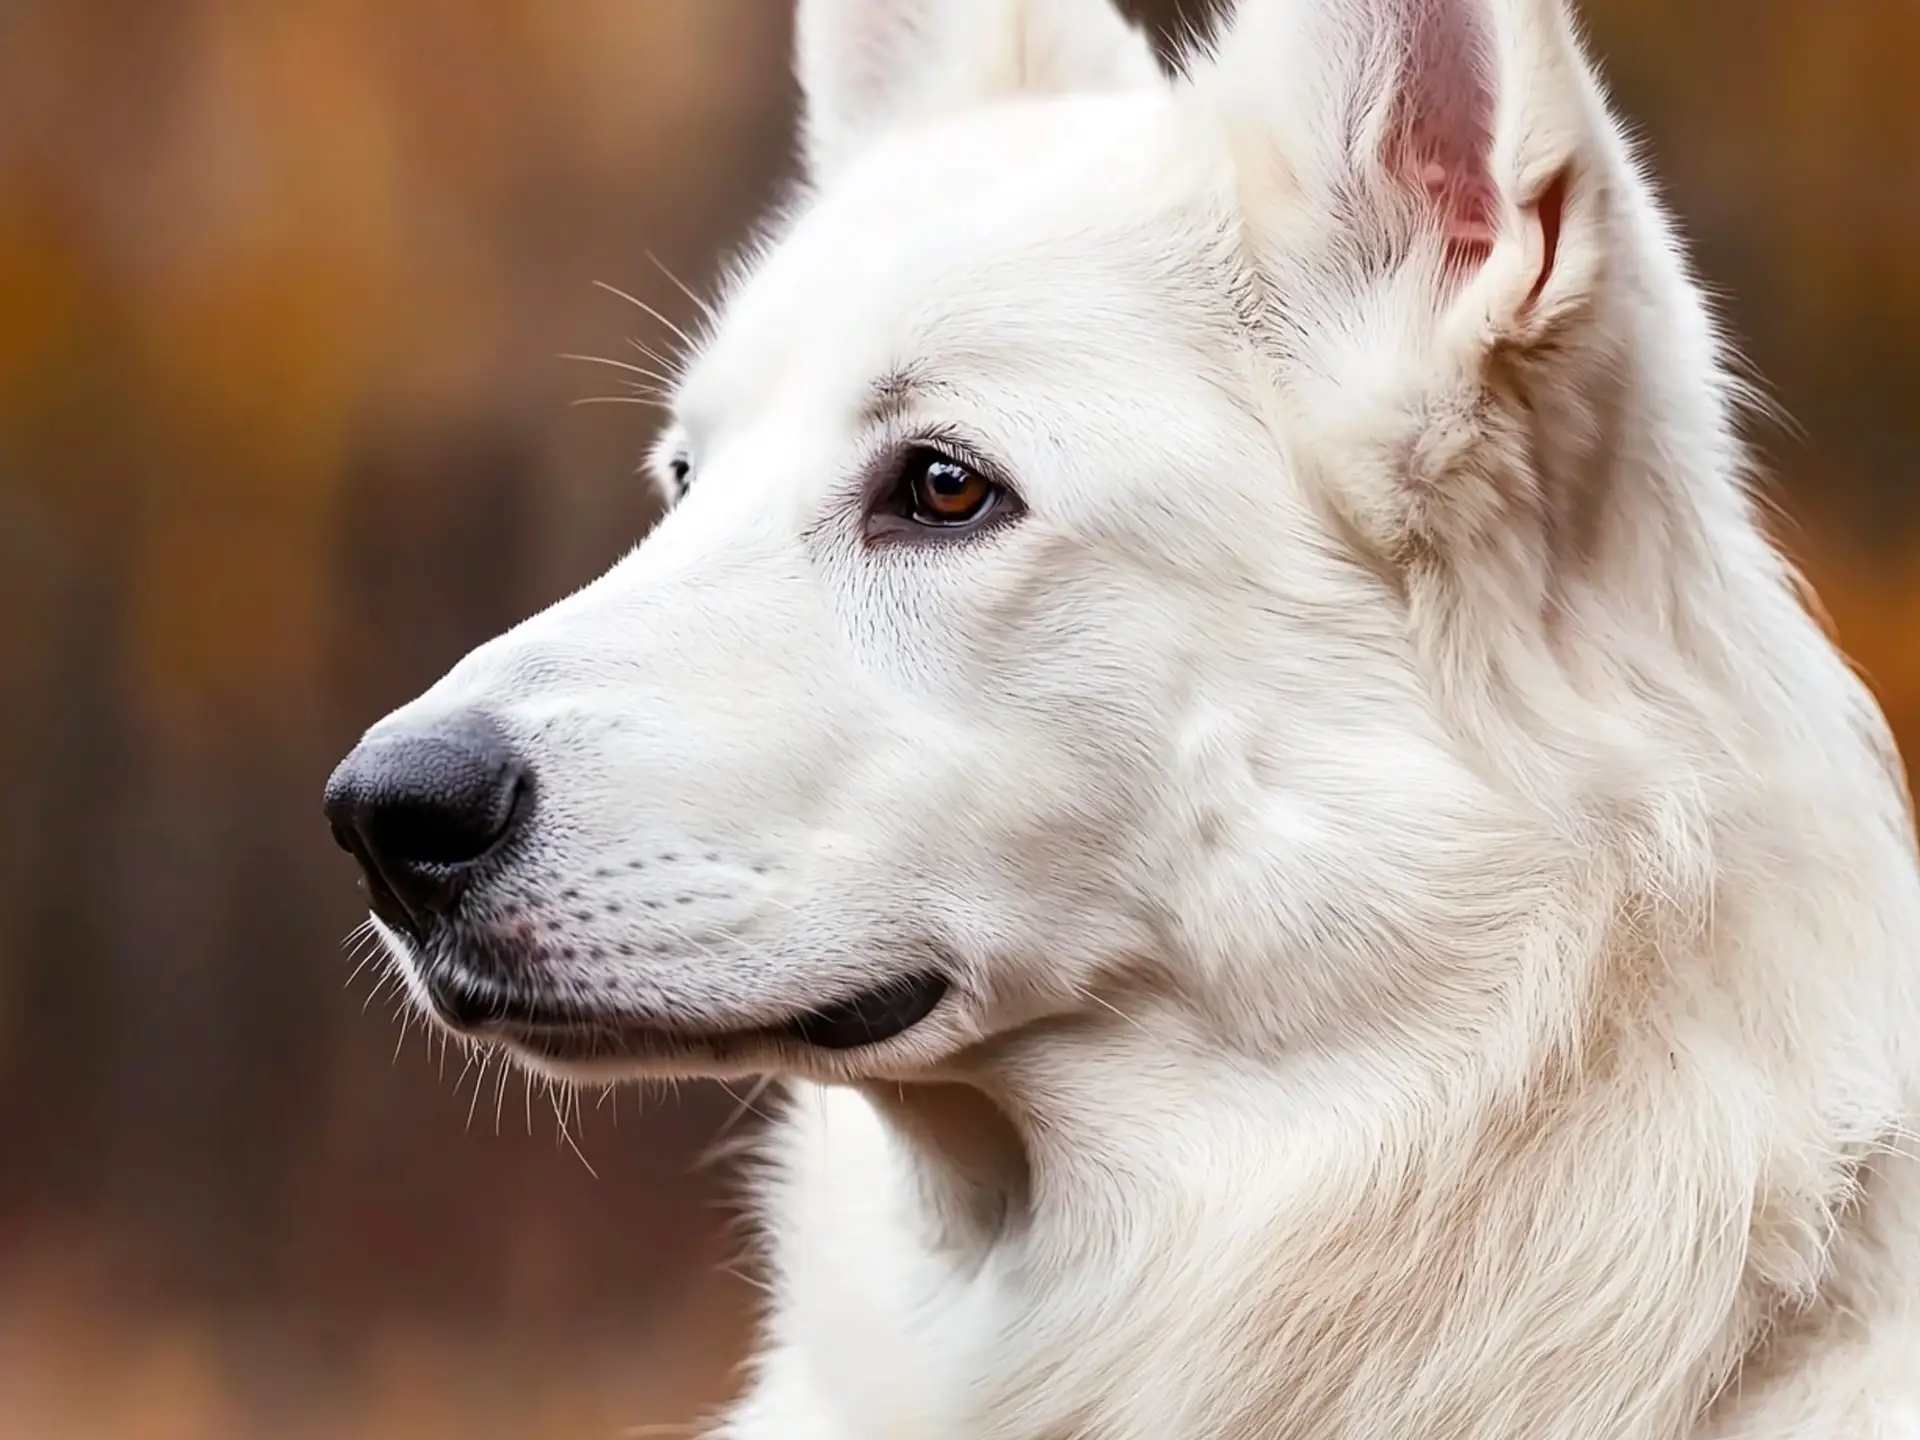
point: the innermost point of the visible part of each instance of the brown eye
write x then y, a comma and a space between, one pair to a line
945, 492
935, 495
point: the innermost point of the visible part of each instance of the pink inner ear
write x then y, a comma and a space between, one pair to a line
1442, 128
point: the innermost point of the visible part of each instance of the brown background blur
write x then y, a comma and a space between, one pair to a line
284, 430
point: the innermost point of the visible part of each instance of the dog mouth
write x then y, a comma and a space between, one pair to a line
872, 1017
559, 1031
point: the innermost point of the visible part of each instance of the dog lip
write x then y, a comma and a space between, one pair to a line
872, 1017
562, 1031
382, 899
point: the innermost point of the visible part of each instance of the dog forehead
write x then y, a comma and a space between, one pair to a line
1036, 219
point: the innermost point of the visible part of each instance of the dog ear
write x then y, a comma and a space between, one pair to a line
869, 66
1436, 178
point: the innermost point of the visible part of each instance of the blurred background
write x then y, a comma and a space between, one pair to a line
284, 429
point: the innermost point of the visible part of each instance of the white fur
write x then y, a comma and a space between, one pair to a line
1432, 918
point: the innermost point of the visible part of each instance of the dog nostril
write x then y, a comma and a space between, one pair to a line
419, 808
447, 824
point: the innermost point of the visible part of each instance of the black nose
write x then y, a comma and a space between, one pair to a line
418, 809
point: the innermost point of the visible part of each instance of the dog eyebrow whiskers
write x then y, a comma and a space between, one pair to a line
893, 396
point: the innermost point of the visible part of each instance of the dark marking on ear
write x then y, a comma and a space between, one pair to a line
1552, 209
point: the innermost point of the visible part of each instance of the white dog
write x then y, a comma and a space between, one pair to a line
1216, 703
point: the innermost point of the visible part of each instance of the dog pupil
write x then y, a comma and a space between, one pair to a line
950, 488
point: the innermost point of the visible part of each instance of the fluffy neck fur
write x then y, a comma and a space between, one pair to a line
1599, 1250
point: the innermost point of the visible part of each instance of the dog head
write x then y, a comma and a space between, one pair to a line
1096, 517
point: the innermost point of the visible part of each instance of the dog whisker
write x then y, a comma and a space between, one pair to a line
705, 306
646, 309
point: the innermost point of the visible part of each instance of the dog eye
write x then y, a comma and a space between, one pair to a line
933, 491
945, 492
681, 469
